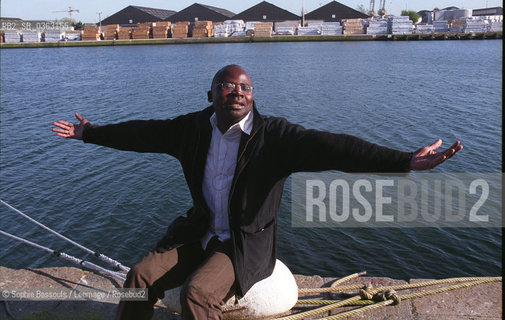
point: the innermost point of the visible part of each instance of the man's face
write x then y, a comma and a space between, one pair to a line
231, 104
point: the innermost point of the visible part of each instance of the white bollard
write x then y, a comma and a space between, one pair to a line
274, 295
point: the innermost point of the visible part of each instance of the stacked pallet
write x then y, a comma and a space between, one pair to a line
263, 29
285, 27
111, 32
400, 25
474, 26
161, 29
496, 26
424, 28
31, 36
73, 35
288, 31
142, 31
125, 33
440, 26
91, 33
181, 29
203, 29
53, 36
353, 26
377, 27
11, 36
331, 28
456, 25
310, 30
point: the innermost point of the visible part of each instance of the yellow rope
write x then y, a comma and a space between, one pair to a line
347, 278
395, 287
356, 311
321, 310
413, 295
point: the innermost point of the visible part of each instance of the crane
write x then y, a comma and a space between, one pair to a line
382, 9
371, 10
70, 10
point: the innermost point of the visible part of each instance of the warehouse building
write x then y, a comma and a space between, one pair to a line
201, 12
493, 14
334, 12
132, 15
266, 12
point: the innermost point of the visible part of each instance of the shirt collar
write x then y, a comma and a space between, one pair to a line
246, 124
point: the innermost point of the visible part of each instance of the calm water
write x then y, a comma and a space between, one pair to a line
399, 94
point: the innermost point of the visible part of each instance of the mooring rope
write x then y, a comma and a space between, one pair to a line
411, 296
95, 253
304, 291
65, 256
386, 296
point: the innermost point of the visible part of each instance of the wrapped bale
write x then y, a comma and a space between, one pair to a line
30, 36
310, 30
441, 26
400, 25
53, 36
424, 28
91, 33
331, 29
474, 26
180, 29
111, 32
496, 26
73, 35
285, 27
377, 27
12, 36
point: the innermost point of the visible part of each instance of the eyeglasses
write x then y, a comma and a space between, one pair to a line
228, 86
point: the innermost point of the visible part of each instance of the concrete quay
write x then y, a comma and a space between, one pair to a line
252, 39
477, 302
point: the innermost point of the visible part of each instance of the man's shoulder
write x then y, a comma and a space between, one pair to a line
278, 124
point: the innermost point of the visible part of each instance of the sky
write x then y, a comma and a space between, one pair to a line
89, 9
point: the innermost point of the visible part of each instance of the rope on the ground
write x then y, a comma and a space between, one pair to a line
390, 297
347, 278
320, 310
304, 291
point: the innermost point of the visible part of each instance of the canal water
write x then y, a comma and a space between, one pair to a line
399, 94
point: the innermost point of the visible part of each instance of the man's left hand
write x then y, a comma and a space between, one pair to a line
427, 158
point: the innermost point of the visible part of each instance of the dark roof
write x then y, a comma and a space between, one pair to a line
494, 11
137, 14
334, 11
265, 11
451, 8
202, 13
162, 14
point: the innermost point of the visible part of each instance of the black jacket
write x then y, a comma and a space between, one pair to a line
275, 149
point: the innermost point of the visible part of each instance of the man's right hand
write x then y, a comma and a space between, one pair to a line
69, 130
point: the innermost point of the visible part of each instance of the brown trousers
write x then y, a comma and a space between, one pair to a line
207, 278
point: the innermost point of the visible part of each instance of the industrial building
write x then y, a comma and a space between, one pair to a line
493, 14
132, 15
266, 12
201, 12
334, 12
